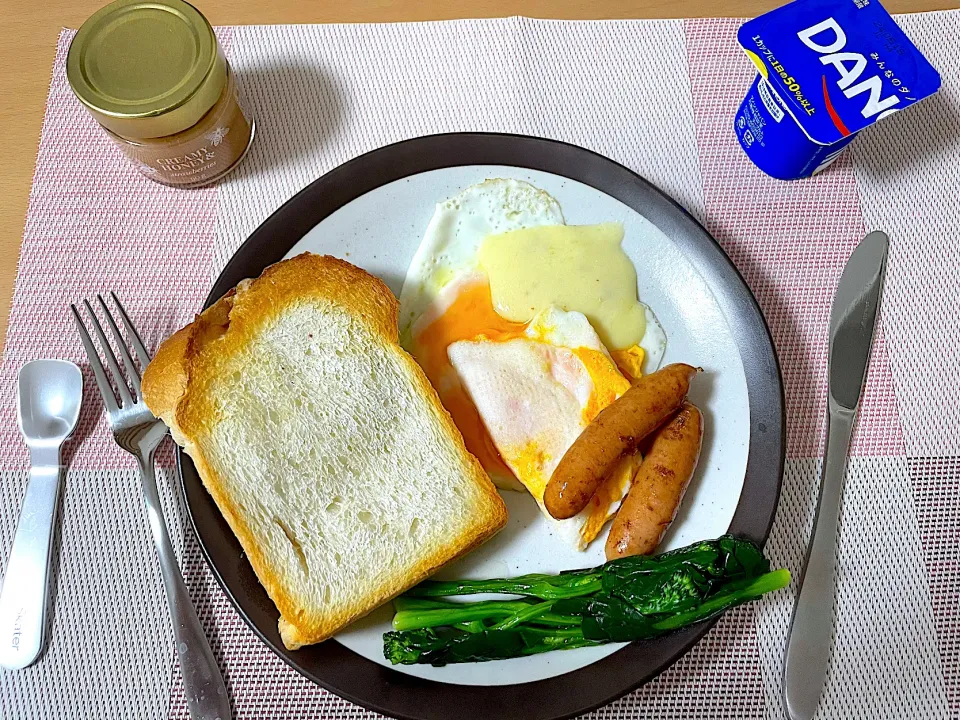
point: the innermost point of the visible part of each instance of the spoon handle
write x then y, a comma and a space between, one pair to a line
23, 599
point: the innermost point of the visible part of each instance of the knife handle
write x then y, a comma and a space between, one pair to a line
808, 641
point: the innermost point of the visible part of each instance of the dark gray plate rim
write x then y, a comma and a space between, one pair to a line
386, 691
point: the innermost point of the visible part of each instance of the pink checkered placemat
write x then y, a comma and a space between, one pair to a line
657, 96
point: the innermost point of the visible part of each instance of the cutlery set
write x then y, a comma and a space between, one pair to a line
49, 393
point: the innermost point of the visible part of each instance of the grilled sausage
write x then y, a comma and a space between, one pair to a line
658, 487
616, 430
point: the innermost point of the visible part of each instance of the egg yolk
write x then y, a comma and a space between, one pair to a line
470, 316
604, 503
608, 383
630, 362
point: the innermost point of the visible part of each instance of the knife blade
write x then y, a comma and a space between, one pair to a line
853, 321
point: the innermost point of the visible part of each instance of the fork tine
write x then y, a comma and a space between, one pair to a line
132, 333
125, 399
109, 399
132, 373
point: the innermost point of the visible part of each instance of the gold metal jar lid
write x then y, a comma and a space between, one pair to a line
147, 68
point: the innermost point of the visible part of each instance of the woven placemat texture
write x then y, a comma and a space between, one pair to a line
657, 96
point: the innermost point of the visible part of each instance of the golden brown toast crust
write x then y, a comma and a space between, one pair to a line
174, 388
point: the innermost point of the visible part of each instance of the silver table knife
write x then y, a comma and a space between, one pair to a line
853, 321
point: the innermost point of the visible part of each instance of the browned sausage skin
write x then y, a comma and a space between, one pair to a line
658, 487
615, 431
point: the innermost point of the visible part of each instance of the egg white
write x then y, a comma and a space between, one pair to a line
653, 342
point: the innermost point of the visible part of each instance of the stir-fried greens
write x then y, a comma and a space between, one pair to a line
626, 599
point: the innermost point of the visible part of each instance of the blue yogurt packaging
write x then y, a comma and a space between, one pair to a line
827, 69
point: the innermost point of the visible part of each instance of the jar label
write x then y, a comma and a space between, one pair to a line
199, 154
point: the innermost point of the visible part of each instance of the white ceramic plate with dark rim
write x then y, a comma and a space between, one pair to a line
372, 211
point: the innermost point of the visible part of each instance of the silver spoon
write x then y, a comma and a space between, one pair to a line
48, 405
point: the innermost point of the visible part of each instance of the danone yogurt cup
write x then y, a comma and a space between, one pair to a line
827, 69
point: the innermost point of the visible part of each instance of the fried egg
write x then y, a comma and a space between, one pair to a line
535, 393
446, 299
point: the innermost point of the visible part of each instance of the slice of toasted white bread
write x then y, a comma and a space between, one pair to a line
322, 442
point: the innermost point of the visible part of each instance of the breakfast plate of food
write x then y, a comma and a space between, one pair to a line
479, 421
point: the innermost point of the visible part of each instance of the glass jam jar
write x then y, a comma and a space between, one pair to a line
153, 75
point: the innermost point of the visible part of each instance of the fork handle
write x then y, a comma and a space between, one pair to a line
24, 600
202, 682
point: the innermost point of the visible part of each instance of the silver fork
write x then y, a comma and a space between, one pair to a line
139, 432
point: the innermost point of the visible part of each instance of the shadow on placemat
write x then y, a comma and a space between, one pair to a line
925, 134
298, 126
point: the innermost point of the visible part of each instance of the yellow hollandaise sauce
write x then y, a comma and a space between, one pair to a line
572, 267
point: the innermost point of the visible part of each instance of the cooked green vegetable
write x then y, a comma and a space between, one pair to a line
415, 614
546, 587
626, 599
446, 645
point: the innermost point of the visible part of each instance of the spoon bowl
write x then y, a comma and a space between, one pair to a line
49, 393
